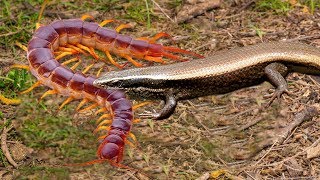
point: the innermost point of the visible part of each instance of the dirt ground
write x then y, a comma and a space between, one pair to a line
228, 136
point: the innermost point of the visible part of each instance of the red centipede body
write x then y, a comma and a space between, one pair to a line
51, 73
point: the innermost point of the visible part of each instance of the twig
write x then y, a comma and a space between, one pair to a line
265, 154
248, 4
163, 11
190, 11
10, 33
298, 119
251, 123
4, 146
304, 38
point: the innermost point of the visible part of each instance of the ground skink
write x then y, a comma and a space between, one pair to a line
223, 72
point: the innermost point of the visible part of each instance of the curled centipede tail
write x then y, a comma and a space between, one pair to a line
178, 50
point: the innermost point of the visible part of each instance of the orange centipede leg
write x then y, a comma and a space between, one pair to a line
9, 101
113, 61
38, 83
87, 69
133, 137
158, 36
63, 55
136, 120
101, 110
20, 66
90, 50
68, 100
107, 21
86, 16
84, 101
76, 49
105, 122
129, 143
21, 46
92, 106
123, 26
132, 61
155, 59
49, 92
99, 71
75, 65
70, 61
101, 128
141, 104
102, 137
104, 116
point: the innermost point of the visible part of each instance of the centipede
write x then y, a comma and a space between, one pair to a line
75, 34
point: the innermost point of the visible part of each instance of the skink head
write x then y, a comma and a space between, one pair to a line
133, 82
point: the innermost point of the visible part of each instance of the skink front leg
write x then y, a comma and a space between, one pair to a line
168, 109
276, 72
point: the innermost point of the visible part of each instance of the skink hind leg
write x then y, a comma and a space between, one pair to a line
276, 72
166, 111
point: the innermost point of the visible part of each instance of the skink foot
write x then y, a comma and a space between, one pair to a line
277, 94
